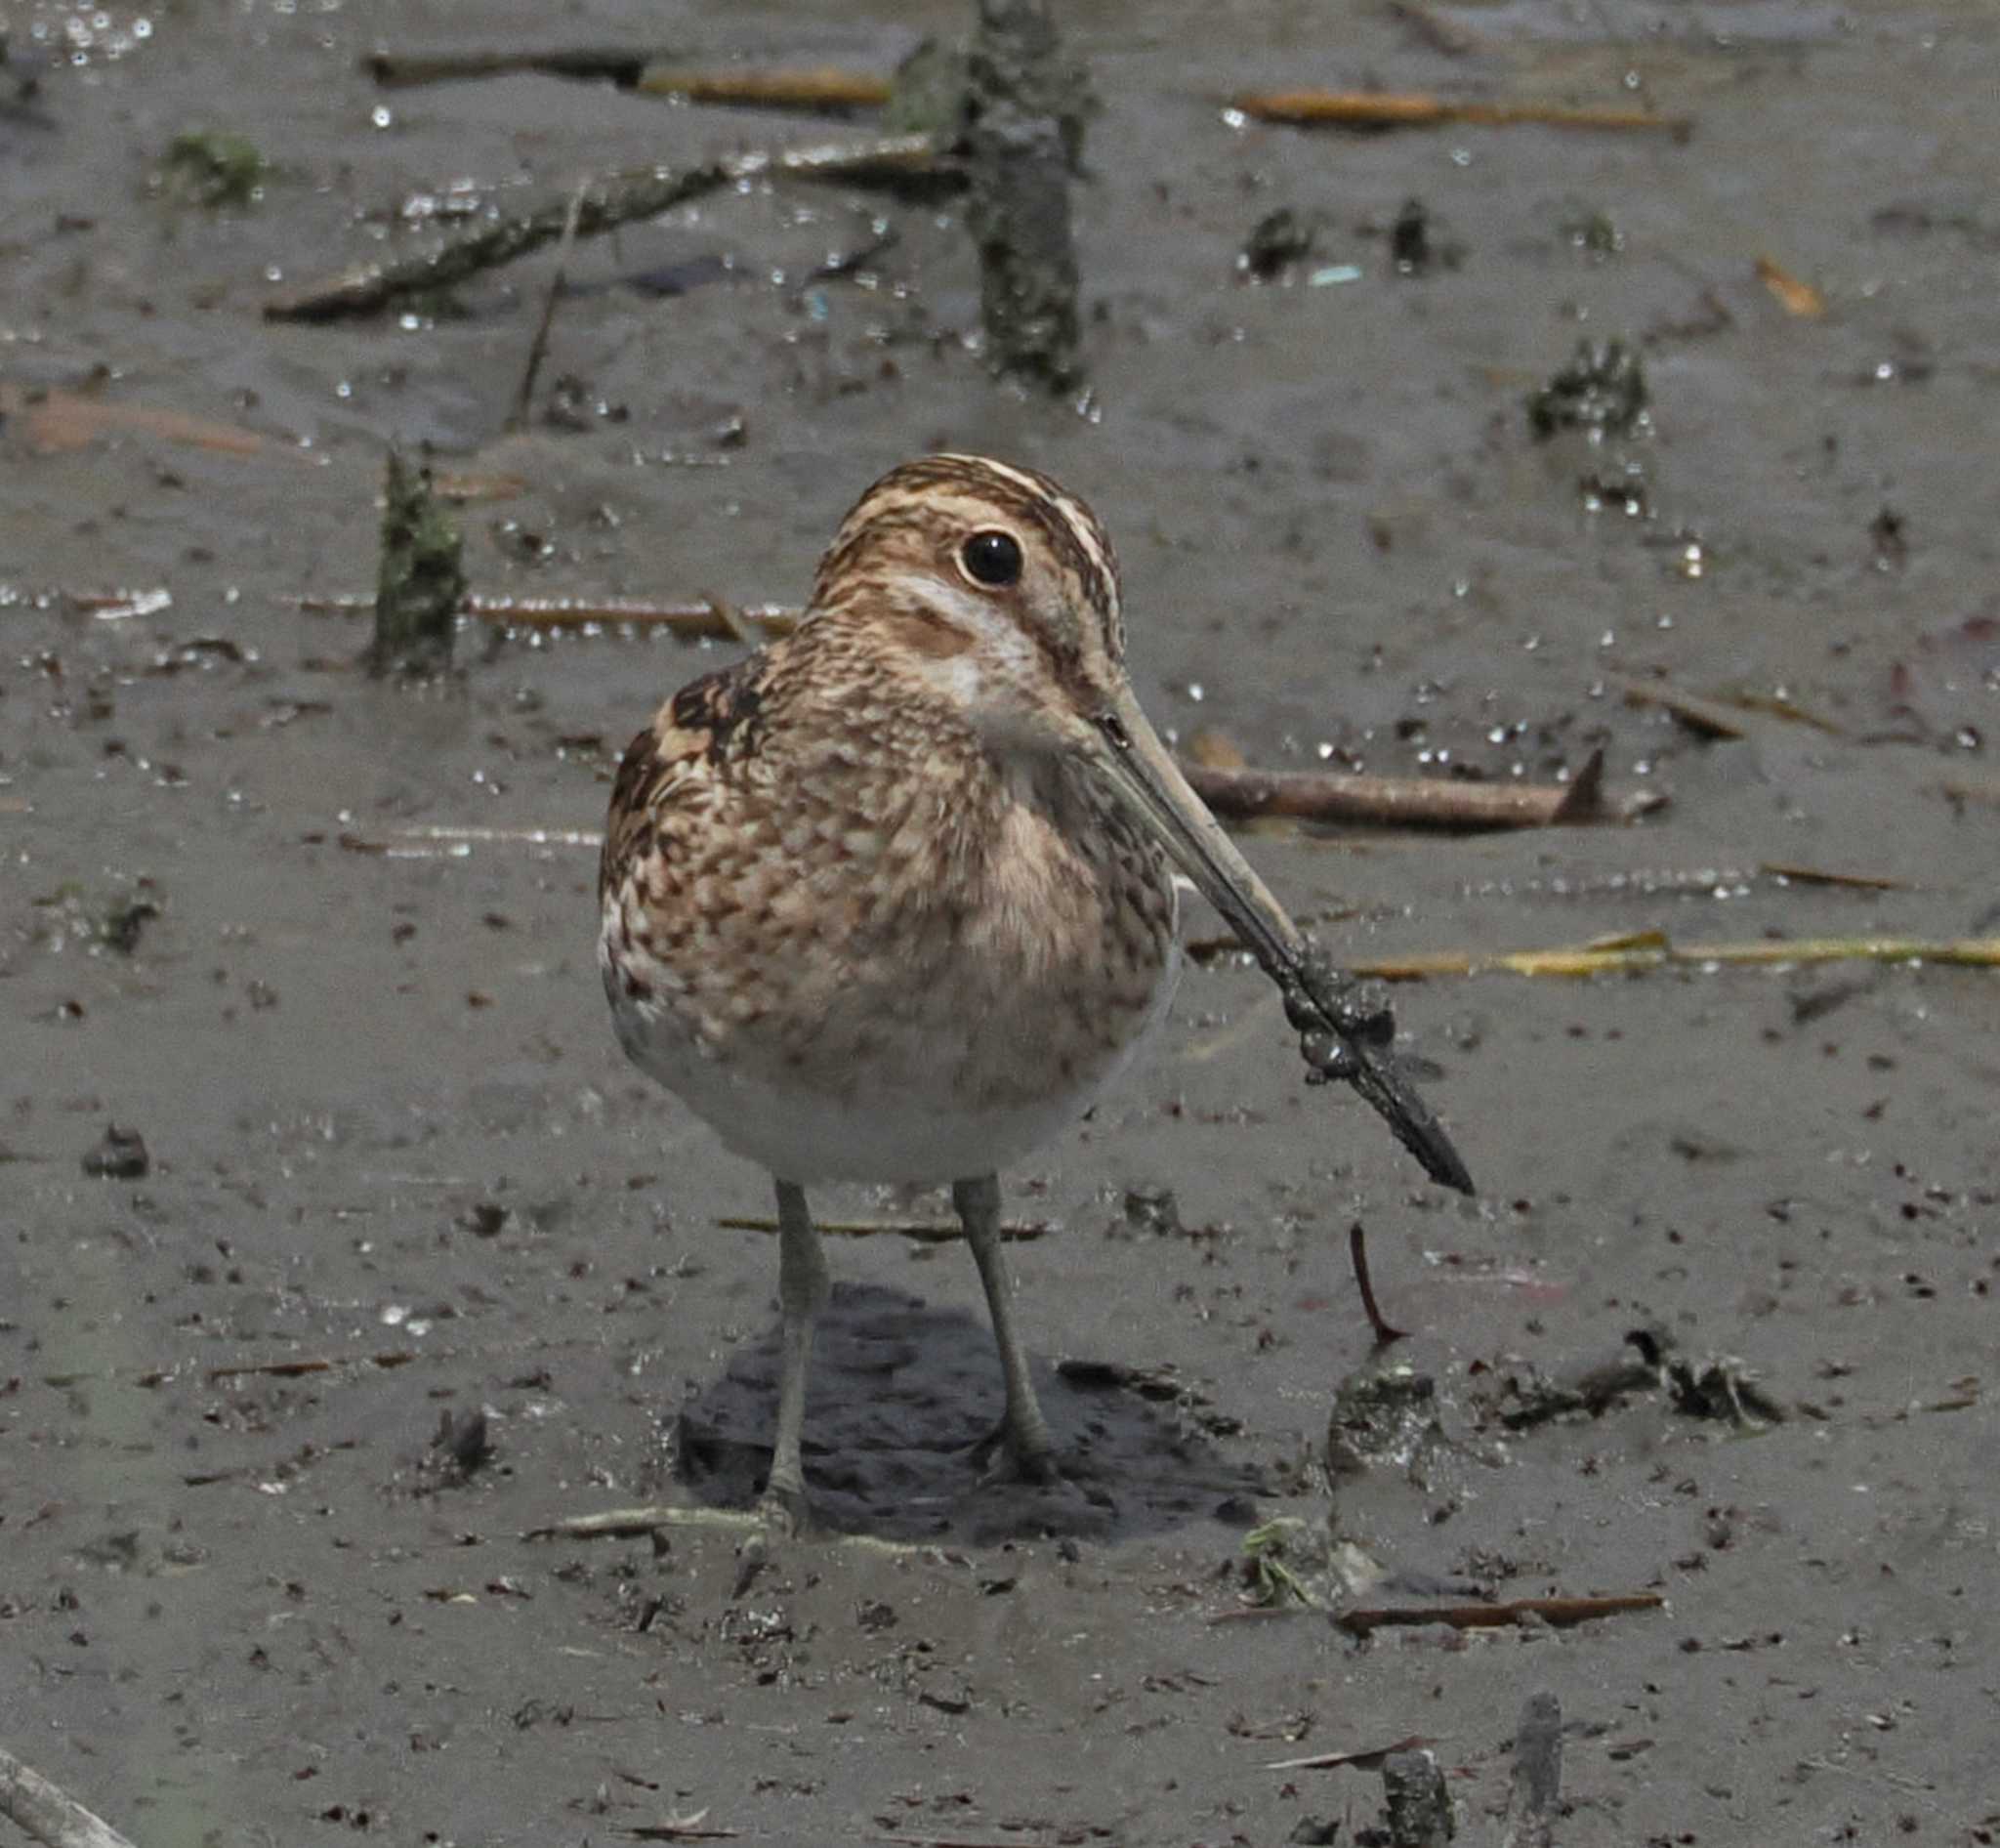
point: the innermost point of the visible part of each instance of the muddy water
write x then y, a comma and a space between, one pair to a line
389, 1132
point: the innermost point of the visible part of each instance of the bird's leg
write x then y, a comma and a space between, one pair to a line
1024, 1431
802, 1288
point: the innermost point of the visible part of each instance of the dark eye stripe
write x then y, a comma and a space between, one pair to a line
1071, 533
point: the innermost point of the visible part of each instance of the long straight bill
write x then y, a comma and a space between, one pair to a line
1136, 766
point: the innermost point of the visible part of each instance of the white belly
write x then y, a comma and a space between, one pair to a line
901, 1115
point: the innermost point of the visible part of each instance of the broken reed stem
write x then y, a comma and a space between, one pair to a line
1023, 130
1718, 718
823, 89
1357, 1256
1400, 801
694, 620
1650, 949
604, 205
538, 347
1370, 110
49, 1814
1535, 1788
421, 586
1561, 1612
924, 1232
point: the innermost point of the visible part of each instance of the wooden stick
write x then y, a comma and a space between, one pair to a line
50, 1815
1400, 801
824, 88
1561, 1612
616, 199
298, 1369
1373, 109
1650, 949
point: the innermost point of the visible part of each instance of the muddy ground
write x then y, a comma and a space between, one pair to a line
391, 1141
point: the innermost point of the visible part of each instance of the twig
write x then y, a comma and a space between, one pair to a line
608, 203
1440, 33
1368, 1759
1371, 109
1400, 801
624, 1524
619, 64
1719, 718
681, 1828
55, 421
924, 1232
1709, 717
956, 1841
298, 1369
1357, 1253
1561, 1612
1970, 789
1535, 1791
1650, 949
695, 620
821, 89
538, 347
120, 605
50, 1815
1827, 876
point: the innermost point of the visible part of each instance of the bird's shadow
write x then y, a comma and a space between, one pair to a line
901, 1393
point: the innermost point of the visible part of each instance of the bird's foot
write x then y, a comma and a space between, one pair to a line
784, 1511
1005, 1455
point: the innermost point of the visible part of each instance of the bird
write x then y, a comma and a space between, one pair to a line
892, 900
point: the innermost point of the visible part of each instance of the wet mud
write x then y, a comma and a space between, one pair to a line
316, 1147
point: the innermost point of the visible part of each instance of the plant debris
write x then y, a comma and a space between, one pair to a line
422, 585
1383, 1417
1601, 391
1716, 1388
121, 1155
213, 169
1279, 242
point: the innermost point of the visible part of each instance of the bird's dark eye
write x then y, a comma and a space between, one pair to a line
992, 558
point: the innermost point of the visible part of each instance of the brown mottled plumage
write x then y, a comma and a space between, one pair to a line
890, 899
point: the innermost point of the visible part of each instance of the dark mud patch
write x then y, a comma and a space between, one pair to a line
901, 1399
